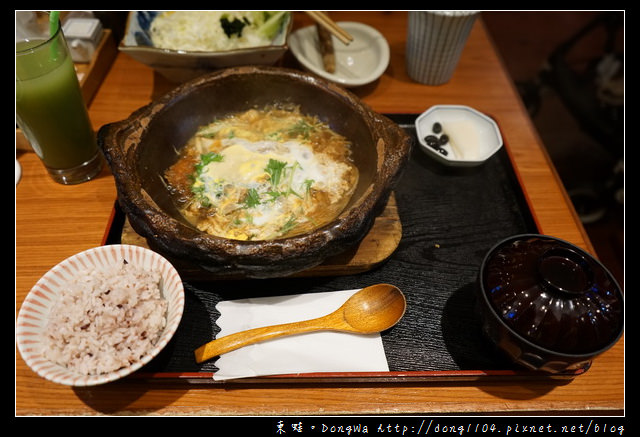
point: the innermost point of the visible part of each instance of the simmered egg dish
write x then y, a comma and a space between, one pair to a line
263, 174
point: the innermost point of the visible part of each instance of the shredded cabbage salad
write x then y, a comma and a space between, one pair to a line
214, 31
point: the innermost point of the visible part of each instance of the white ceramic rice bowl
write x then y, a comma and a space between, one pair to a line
34, 312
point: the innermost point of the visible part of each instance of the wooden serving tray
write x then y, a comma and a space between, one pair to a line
378, 245
451, 217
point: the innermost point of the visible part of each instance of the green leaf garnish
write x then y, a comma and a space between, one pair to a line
252, 199
307, 185
301, 128
290, 224
207, 159
200, 195
274, 169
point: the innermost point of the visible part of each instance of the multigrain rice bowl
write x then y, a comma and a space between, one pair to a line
106, 320
100, 315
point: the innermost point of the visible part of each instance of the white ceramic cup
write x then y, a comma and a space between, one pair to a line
435, 40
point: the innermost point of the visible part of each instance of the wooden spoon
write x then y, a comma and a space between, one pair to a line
372, 309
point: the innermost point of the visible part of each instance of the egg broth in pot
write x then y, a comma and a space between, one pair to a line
263, 174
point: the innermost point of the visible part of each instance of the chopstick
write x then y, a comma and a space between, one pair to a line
323, 19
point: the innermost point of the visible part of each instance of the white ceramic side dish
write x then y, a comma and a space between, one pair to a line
360, 62
180, 66
465, 136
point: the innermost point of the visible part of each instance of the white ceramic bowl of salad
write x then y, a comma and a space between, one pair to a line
182, 45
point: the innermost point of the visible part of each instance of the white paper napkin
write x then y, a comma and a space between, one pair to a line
303, 353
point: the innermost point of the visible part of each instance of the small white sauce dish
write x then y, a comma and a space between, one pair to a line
360, 62
473, 137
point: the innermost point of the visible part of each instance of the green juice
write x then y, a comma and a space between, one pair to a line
50, 107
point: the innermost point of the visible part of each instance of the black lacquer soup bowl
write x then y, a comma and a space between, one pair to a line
548, 304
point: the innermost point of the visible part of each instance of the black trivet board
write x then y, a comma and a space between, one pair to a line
451, 217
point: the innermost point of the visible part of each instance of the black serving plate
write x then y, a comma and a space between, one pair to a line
451, 217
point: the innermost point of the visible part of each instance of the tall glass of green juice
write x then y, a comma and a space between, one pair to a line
51, 111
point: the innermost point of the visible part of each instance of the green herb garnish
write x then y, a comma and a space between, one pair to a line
252, 199
207, 159
275, 169
200, 195
307, 185
301, 128
198, 188
274, 195
290, 224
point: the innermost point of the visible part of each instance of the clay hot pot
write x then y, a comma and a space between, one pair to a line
140, 148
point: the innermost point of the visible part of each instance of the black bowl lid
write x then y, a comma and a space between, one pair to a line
553, 294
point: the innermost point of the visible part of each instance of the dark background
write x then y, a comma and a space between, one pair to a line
553, 58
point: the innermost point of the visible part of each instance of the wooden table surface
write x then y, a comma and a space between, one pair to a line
55, 221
